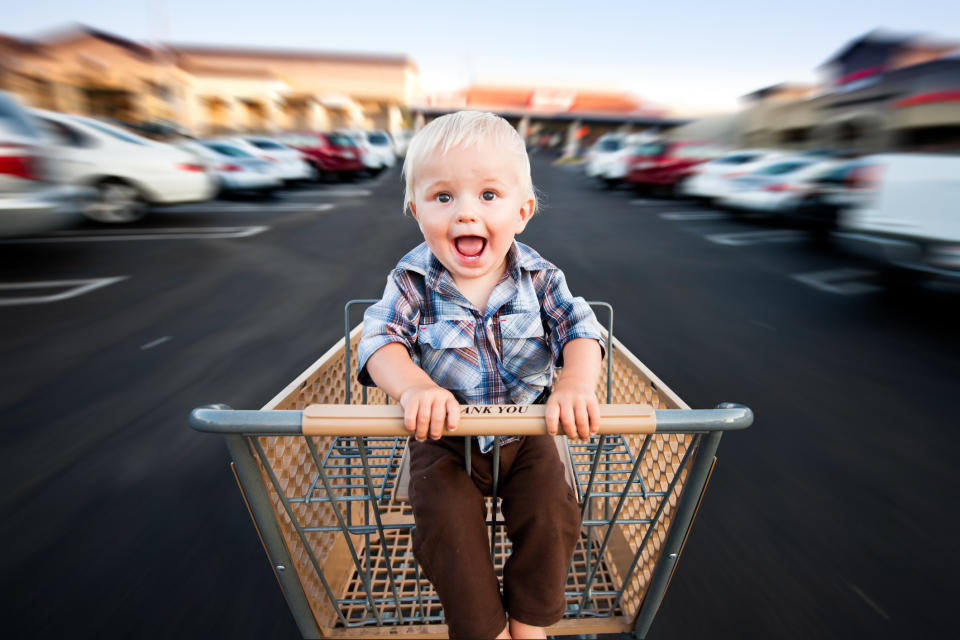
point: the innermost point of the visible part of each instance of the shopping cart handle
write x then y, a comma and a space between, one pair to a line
475, 420
386, 420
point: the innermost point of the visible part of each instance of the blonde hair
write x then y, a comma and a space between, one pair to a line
465, 129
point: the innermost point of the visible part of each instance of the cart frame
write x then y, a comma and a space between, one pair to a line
350, 478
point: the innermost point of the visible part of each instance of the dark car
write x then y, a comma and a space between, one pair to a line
332, 155
664, 164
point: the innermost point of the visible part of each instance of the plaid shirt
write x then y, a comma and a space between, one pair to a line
504, 355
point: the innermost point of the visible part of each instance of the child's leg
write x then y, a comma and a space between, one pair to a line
450, 541
543, 522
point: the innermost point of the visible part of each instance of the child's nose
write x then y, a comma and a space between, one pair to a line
466, 214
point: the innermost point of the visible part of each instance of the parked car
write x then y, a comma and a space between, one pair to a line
911, 223
607, 160
401, 140
129, 173
289, 164
845, 185
602, 154
381, 145
236, 169
665, 163
33, 198
711, 179
373, 161
775, 188
329, 154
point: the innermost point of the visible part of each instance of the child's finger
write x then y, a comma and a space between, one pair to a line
552, 416
582, 418
410, 416
453, 414
423, 421
593, 410
568, 421
437, 417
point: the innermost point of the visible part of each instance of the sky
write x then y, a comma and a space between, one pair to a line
692, 57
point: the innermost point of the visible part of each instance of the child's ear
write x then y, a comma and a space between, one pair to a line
413, 210
526, 211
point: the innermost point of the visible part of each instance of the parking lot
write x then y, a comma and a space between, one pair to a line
829, 517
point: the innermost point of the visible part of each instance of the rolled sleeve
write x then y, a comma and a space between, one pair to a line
393, 319
567, 316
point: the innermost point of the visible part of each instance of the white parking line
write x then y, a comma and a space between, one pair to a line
74, 288
123, 235
644, 202
684, 216
155, 343
335, 193
755, 237
839, 281
274, 207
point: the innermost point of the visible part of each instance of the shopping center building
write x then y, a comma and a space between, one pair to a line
880, 92
208, 89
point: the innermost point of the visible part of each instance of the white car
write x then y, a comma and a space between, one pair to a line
776, 188
712, 179
381, 145
604, 151
373, 158
401, 140
608, 160
910, 223
289, 164
32, 197
237, 170
129, 173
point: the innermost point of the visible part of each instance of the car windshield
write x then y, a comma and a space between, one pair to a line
227, 150
266, 145
740, 158
781, 168
378, 139
340, 140
610, 144
699, 151
114, 132
650, 149
11, 117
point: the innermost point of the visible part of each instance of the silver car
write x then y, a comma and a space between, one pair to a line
32, 199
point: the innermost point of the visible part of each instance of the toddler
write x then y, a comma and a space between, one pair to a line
471, 316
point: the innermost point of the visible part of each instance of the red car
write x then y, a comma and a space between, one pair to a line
330, 154
665, 163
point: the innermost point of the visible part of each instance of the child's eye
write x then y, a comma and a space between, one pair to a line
489, 195
443, 198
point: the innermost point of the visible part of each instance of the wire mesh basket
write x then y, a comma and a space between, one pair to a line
329, 502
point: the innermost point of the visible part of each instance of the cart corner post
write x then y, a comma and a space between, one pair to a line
266, 523
696, 484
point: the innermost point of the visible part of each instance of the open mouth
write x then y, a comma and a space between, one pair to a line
470, 247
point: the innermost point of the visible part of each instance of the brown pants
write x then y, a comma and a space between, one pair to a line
451, 540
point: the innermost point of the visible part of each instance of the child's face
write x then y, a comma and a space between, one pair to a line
470, 204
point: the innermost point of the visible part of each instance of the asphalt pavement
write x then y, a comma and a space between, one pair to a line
832, 517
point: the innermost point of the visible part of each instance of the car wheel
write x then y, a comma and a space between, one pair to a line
116, 202
315, 173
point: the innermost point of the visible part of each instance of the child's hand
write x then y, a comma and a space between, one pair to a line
425, 409
573, 404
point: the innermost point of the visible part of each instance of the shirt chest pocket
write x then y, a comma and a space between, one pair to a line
449, 354
524, 348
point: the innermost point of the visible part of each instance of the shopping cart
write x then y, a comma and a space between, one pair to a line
323, 473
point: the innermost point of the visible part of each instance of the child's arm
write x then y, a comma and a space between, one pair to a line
573, 402
426, 406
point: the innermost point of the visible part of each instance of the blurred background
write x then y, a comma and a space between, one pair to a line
189, 193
